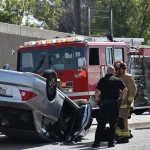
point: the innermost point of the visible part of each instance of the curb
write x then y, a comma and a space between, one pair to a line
132, 125
139, 124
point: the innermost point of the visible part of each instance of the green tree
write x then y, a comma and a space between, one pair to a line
143, 19
131, 18
67, 21
11, 11
121, 13
46, 12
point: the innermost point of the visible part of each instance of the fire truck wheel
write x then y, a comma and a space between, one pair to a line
51, 83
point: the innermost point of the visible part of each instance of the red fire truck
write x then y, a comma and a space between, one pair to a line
79, 62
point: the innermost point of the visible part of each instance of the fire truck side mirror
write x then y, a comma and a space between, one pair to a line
6, 66
81, 62
13, 52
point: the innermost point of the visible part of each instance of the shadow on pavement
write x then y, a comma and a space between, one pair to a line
86, 145
144, 128
20, 144
17, 144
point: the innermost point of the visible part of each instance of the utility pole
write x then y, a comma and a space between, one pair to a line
77, 16
111, 22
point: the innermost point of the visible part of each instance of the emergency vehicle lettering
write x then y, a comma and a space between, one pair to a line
93, 70
94, 76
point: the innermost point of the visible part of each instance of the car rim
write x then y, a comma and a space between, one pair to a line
52, 84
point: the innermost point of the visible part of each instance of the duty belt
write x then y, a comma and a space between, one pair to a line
110, 101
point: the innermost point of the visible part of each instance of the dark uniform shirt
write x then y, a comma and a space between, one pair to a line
110, 87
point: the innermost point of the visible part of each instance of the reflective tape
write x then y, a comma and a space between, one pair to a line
131, 98
124, 106
118, 132
125, 134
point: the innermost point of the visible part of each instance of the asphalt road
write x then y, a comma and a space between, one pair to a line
140, 141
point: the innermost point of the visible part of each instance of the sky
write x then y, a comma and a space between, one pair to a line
31, 19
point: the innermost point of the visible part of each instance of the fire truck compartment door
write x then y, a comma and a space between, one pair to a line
147, 77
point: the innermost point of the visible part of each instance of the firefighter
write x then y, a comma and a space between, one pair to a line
122, 130
108, 88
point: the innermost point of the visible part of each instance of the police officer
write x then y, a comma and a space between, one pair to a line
108, 88
122, 130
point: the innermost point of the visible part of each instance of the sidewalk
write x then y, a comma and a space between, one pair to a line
136, 121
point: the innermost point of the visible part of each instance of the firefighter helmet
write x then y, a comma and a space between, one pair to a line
120, 65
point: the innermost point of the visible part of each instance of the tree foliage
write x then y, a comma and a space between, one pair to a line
47, 12
11, 11
131, 18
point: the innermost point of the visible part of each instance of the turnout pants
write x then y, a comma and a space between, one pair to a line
122, 129
108, 111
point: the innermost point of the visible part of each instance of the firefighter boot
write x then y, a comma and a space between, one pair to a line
95, 145
111, 145
131, 135
123, 140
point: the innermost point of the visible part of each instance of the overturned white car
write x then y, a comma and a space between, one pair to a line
31, 106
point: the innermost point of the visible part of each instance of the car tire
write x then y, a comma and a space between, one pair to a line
51, 84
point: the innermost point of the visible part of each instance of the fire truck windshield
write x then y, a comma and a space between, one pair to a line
64, 58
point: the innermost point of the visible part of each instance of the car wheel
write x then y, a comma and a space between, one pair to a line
51, 83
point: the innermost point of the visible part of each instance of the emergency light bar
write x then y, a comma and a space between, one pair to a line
128, 41
54, 41
135, 53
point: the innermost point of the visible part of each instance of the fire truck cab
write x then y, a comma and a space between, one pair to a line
79, 62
